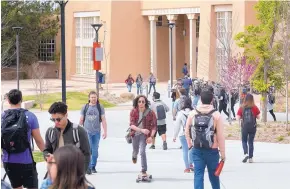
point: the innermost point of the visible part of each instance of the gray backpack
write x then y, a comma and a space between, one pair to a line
202, 131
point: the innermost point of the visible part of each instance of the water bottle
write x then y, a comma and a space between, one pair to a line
219, 168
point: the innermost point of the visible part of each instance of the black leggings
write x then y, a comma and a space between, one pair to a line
273, 115
233, 109
223, 107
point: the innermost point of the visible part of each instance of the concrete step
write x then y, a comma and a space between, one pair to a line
83, 78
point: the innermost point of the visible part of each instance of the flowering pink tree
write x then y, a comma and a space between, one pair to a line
236, 71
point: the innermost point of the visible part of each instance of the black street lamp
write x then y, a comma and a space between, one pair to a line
17, 29
171, 26
62, 5
96, 40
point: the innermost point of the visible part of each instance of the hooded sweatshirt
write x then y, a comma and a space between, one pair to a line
179, 125
219, 139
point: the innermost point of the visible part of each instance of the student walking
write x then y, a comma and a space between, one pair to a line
205, 136
66, 170
152, 82
65, 132
270, 104
179, 128
139, 82
129, 82
18, 127
223, 103
92, 116
143, 125
248, 114
160, 109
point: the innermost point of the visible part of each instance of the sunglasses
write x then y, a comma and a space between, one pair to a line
141, 101
51, 162
56, 119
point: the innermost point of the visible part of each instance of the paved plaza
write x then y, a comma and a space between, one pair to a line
271, 169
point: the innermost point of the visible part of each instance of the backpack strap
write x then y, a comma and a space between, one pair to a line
100, 111
85, 111
76, 135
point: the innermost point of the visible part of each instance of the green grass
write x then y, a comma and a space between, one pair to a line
38, 156
75, 100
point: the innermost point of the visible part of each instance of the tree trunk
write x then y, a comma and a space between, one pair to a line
264, 94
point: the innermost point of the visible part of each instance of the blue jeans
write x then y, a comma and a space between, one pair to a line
129, 87
205, 158
150, 86
248, 138
195, 101
187, 158
139, 89
94, 141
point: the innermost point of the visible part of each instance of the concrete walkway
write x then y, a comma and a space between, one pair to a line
271, 169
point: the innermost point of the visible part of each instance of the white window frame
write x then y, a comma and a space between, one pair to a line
222, 56
82, 42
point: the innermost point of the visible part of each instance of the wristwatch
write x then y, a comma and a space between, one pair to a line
190, 147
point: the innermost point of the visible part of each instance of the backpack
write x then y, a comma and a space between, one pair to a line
271, 99
99, 110
248, 120
14, 131
161, 113
202, 132
75, 135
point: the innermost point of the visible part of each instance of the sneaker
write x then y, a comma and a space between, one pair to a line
94, 170
164, 145
186, 170
89, 172
134, 160
152, 147
245, 158
234, 119
251, 160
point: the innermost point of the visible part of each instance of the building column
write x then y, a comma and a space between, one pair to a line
192, 45
172, 18
153, 45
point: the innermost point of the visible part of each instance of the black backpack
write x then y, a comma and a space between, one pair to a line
248, 121
99, 109
161, 113
202, 131
14, 131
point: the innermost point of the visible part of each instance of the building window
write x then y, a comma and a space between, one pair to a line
46, 51
85, 33
197, 26
78, 27
224, 38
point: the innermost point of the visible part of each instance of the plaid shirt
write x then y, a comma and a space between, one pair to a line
149, 122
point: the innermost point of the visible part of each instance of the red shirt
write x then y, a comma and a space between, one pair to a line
255, 111
149, 122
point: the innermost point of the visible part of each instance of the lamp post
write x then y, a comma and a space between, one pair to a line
62, 5
97, 55
17, 29
171, 26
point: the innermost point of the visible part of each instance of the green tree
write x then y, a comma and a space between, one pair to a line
39, 21
258, 42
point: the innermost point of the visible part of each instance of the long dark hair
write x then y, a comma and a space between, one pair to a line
187, 104
139, 76
248, 101
135, 101
70, 168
